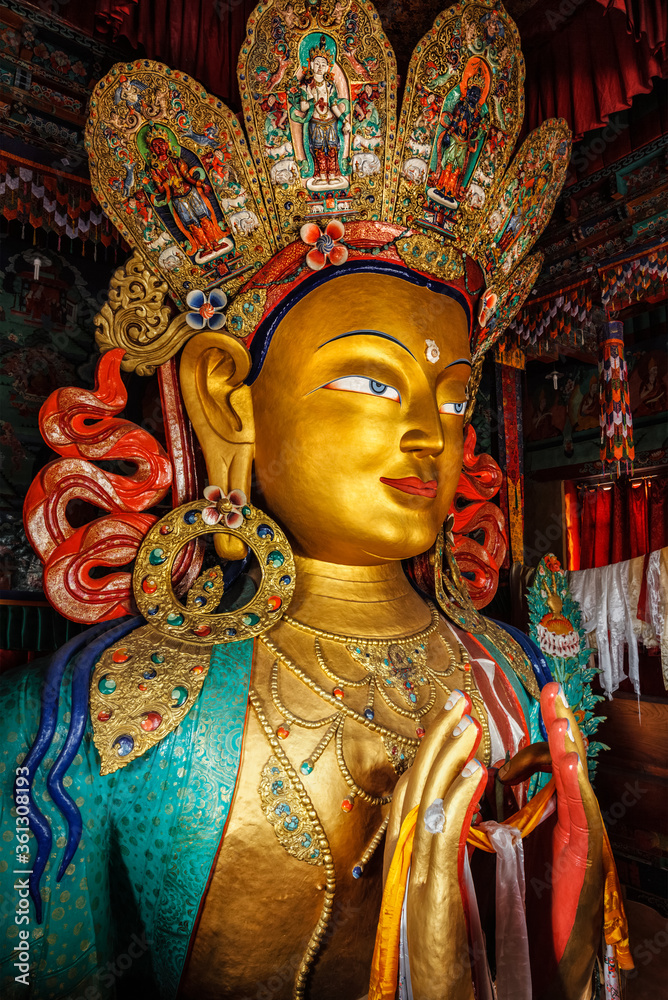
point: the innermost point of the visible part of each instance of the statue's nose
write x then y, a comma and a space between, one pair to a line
424, 435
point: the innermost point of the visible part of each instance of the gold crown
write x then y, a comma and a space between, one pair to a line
433, 186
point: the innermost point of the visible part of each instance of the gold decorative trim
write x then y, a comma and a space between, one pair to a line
141, 690
283, 807
137, 317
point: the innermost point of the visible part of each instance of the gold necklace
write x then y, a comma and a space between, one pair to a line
400, 749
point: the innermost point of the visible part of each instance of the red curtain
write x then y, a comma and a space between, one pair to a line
618, 521
584, 60
200, 37
594, 66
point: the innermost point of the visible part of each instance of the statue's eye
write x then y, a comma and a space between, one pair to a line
456, 408
368, 386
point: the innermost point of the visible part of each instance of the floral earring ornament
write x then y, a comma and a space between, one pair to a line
198, 621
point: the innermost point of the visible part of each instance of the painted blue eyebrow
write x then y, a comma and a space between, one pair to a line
368, 333
459, 361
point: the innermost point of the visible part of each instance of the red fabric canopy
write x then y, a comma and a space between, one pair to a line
200, 37
582, 66
595, 66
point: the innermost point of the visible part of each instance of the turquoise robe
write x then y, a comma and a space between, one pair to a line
120, 921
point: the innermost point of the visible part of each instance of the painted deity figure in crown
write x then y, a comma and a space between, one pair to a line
183, 190
291, 755
320, 116
461, 137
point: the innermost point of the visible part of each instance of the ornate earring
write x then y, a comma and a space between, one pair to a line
197, 622
451, 592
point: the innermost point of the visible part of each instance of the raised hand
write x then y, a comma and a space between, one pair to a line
437, 918
566, 859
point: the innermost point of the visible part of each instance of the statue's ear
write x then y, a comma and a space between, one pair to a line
212, 373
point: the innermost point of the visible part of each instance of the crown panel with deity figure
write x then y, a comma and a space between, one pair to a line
170, 166
318, 88
462, 111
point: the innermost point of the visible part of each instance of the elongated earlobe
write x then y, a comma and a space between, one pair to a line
219, 404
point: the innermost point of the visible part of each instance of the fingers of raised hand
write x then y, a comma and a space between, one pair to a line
554, 706
409, 788
438, 735
573, 788
446, 770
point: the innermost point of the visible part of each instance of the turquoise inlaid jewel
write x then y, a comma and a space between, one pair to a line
190, 516
282, 809
209, 585
307, 839
173, 618
179, 695
246, 511
275, 559
156, 557
106, 685
292, 823
157, 658
306, 767
250, 620
276, 787
124, 745
264, 531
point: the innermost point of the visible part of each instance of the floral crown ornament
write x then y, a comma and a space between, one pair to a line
431, 190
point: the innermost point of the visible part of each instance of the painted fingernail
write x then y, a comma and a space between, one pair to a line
465, 722
569, 733
471, 768
453, 699
562, 695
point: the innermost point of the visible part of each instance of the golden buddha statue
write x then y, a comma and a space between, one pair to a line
270, 783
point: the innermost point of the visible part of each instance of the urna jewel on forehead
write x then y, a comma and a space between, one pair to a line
328, 175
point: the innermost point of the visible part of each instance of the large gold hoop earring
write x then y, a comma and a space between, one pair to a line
198, 622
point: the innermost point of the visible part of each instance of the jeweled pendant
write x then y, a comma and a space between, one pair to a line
283, 732
306, 767
347, 805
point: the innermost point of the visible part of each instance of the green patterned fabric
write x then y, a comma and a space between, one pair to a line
120, 921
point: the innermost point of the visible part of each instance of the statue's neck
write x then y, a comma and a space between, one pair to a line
357, 600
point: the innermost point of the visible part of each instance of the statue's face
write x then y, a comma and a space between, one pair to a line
359, 421
319, 68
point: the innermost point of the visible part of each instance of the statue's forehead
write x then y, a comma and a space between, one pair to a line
378, 302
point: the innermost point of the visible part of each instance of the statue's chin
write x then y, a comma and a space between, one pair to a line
362, 550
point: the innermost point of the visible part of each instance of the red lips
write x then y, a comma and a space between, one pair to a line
413, 485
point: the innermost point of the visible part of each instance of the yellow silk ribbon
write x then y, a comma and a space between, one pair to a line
385, 962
